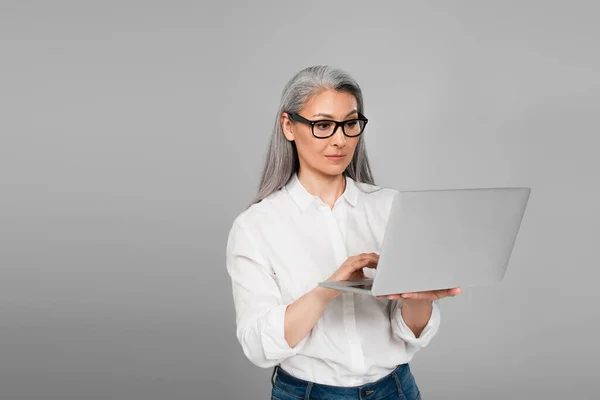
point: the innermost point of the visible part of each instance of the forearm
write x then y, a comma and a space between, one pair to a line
302, 315
416, 314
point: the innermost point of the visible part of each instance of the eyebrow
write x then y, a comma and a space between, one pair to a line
331, 116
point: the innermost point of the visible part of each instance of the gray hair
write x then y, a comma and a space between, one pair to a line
282, 157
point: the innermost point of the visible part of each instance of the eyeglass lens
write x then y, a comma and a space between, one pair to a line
351, 128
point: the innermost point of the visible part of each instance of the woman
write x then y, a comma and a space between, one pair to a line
319, 216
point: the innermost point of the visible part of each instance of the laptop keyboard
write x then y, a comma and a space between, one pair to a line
367, 287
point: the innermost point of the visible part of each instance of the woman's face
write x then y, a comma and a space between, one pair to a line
328, 156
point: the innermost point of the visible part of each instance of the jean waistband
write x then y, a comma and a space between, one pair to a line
304, 389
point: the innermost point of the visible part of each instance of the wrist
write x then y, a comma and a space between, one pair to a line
325, 295
416, 304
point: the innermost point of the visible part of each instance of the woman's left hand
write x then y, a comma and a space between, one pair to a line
427, 295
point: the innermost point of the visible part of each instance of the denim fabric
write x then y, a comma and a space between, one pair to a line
398, 385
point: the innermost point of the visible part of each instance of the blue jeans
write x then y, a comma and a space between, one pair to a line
398, 385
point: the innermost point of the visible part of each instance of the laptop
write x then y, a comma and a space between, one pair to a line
441, 239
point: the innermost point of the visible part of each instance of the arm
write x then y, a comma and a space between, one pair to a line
415, 322
418, 319
416, 314
268, 330
302, 315
259, 308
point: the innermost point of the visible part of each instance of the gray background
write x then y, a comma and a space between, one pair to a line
132, 133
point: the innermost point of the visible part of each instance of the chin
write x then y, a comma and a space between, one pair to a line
333, 170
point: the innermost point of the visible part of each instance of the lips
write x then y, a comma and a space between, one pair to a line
336, 157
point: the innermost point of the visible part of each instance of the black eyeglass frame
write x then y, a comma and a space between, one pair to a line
299, 118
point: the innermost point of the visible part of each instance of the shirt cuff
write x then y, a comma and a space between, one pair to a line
272, 335
402, 330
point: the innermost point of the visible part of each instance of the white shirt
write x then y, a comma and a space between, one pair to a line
280, 249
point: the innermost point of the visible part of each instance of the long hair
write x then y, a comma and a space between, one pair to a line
282, 157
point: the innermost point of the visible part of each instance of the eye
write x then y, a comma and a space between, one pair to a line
323, 125
351, 124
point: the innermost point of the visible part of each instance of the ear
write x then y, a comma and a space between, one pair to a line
287, 127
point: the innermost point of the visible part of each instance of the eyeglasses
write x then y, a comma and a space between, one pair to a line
325, 128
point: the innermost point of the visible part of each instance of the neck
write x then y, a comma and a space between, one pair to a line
326, 187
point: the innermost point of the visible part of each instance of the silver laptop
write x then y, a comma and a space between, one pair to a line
441, 239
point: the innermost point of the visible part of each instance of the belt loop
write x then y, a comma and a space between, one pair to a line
308, 389
273, 375
398, 385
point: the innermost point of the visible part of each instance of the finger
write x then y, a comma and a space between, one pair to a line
389, 296
420, 296
374, 259
354, 266
370, 256
357, 264
448, 292
431, 295
455, 291
362, 263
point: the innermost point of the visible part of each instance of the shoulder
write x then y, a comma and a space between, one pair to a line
376, 201
375, 194
257, 212
250, 230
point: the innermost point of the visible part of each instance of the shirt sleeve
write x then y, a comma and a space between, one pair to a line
258, 303
401, 330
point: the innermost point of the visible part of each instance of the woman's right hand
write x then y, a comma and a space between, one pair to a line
352, 269
302, 315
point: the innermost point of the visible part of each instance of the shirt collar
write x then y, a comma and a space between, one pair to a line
303, 198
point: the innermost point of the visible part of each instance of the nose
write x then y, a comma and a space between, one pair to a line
338, 138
